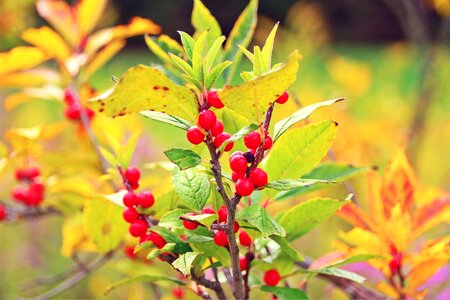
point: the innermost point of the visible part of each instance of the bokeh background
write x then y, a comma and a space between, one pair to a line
390, 59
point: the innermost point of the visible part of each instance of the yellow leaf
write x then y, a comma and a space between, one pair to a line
145, 88
73, 237
88, 14
253, 98
387, 289
367, 241
29, 78
103, 56
43, 93
431, 215
48, 40
21, 58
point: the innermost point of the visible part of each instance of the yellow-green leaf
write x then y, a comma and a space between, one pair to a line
202, 20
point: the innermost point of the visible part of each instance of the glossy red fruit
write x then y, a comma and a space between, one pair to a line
208, 210
220, 238
223, 213
243, 263
245, 239
3, 213
214, 100
235, 153
29, 173
259, 177
206, 119
146, 199
132, 175
238, 164
236, 176
244, 187
130, 215
236, 226
20, 194
138, 228
283, 98
129, 251
195, 135
252, 140
268, 142
130, 199
73, 112
35, 194
221, 138
190, 225
272, 277
178, 293
134, 185
157, 240
217, 128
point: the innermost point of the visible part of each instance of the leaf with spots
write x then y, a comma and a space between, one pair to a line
146, 88
252, 98
104, 224
192, 187
184, 262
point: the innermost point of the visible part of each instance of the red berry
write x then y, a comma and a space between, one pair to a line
220, 238
283, 98
35, 193
236, 176
252, 140
221, 138
238, 164
190, 225
208, 210
214, 100
138, 228
134, 185
132, 175
244, 187
69, 97
195, 135
396, 263
130, 199
207, 119
130, 215
268, 142
129, 251
20, 194
178, 293
3, 213
235, 153
236, 226
245, 239
29, 173
89, 113
217, 128
272, 277
157, 240
243, 263
73, 112
259, 177
223, 213
146, 199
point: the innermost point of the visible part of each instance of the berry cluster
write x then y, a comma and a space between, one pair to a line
3, 213
207, 123
73, 108
31, 192
134, 202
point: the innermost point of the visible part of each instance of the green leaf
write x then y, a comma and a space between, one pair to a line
192, 187
125, 153
182, 65
247, 76
204, 219
241, 34
303, 217
239, 135
299, 115
253, 98
142, 278
168, 119
212, 76
203, 20
287, 247
170, 237
212, 53
353, 259
268, 46
248, 54
328, 172
104, 224
188, 43
340, 273
145, 88
184, 158
289, 184
284, 293
259, 66
156, 49
257, 216
212, 250
184, 262
171, 219
197, 56
299, 150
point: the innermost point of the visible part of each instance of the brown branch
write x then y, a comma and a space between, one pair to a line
14, 214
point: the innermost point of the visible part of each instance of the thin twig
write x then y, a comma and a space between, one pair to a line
14, 214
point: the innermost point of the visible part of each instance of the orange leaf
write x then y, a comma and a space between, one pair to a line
47, 40
431, 215
30, 78
103, 56
354, 215
21, 58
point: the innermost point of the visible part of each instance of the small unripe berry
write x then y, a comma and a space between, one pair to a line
217, 128
283, 98
3, 212
206, 119
178, 293
236, 176
190, 225
243, 263
208, 210
236, 226
245, 239
268, 142
238, 164
252, 140
223, 213
244, 187
250, 157
259, 177
195, 135
214, 100
157, 240
132, 175
272, 277
130, 215
220, 238
221, 138
130, 199
138, 228
146, 199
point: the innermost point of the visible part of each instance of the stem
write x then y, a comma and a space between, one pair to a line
14, 214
